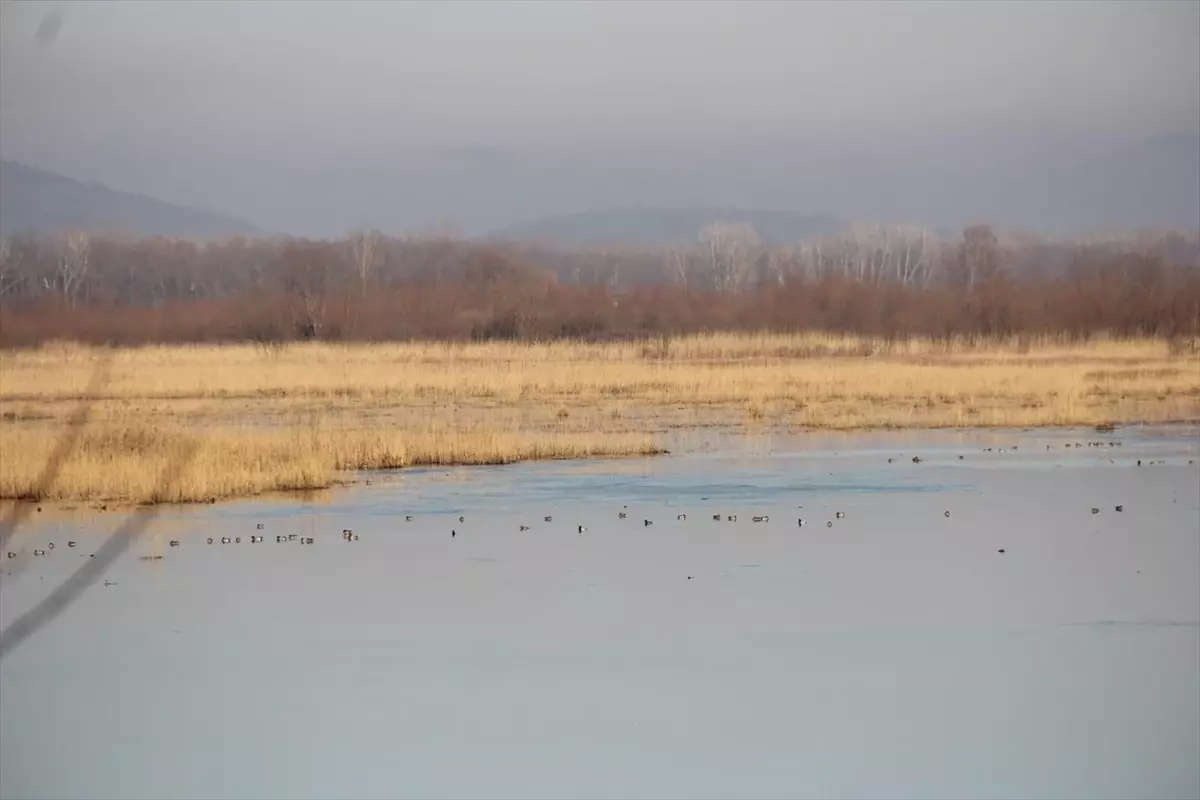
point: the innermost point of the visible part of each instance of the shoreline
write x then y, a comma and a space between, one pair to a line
347, 479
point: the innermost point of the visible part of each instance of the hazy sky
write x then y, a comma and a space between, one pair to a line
220, 102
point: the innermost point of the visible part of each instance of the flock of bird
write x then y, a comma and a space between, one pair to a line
349, 535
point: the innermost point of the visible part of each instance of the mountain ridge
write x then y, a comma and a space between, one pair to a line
36, 200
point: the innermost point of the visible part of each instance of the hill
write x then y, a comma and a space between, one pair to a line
37, 200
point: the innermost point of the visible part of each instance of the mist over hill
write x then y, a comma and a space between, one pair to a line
35, 200
664, 225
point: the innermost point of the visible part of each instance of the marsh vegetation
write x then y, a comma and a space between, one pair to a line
298, 416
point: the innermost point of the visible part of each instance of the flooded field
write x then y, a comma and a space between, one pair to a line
962, 614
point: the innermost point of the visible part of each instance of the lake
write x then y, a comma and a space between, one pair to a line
892, 651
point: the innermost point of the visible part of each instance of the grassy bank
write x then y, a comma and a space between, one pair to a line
293, 417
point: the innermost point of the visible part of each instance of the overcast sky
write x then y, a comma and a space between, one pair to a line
215, 101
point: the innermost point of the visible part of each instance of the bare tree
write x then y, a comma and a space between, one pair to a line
10, 275
732, 248
812, 257
917, 255
782, 262
680, 261
611, 272
979, 256
365, 247
306, 278
74, 259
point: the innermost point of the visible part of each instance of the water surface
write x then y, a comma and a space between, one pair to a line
894, 653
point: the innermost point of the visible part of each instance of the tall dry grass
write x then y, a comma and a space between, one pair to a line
294, 416
124, 462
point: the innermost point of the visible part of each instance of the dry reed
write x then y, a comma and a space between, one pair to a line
294, 416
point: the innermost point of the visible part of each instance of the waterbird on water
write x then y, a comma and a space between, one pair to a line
947, 514
225, 540
840, 515
760, 519
647, 522
39, 552
11, 554
210, 540
916, 459
70, 544
174, 543
547, 518
731, 518
462, 519
453, 533
716, 517
255, 539
524, 527
681, 517
1095, 511
1119, 508
259, 526
800, 523
581, 528
408, 518
829, 524
621, 515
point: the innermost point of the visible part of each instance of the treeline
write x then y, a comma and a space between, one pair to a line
877, 280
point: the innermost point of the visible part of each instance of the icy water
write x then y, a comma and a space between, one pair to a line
893, 653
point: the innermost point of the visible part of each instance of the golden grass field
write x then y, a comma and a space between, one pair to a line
298, 416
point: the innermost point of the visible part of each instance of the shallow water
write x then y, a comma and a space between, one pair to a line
894, 654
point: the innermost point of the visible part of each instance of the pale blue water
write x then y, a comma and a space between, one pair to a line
894, 654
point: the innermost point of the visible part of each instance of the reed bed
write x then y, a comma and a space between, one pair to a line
125, 463
297, 416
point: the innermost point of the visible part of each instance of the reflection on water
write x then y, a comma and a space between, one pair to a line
890, 650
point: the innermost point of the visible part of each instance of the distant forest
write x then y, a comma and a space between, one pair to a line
889, 281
